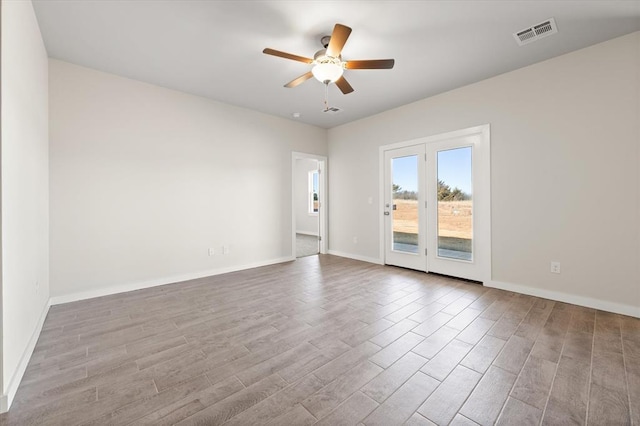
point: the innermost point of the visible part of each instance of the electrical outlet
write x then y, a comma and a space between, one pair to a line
225, 250
555, 267
212, 252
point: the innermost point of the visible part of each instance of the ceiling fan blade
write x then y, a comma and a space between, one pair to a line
299, 80
338, 39
287, 55
344, 85
370, 64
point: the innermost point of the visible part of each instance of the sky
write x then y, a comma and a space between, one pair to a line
454, 168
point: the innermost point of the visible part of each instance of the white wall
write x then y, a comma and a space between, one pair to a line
305, 223
25, 208
145, 179
564, 156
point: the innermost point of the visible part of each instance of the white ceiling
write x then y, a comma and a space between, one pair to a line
214, 48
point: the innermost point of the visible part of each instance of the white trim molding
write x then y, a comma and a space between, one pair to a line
123, 288
589, 302
356, 257
14, 383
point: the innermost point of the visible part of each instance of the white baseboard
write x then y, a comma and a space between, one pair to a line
589, 302
14, 383
603, 305
313, 234
356, 257
123, 288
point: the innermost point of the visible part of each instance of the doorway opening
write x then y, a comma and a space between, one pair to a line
308, 213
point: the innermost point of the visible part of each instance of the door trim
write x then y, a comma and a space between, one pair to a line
322, 189
484, 153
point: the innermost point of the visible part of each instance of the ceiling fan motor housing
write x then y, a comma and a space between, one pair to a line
321, 58
325, 41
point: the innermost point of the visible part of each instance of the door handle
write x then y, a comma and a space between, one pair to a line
386, 213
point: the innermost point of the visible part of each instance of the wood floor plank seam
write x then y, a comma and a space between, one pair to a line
495, 366
626, 376
523, 402
593, 342
469, 421
505, 346
516, 381
564, 341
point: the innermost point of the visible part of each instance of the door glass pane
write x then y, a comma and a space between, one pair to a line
455, 204
404, 212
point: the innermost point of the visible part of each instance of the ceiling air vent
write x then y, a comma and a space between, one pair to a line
535, 33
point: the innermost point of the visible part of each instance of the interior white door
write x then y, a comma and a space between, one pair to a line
404, 213
456, 189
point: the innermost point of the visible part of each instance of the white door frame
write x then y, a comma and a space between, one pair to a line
483, 151
322, 196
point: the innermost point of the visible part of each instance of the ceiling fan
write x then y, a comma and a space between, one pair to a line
328, 65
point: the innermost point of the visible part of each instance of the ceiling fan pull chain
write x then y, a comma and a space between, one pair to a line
326, 97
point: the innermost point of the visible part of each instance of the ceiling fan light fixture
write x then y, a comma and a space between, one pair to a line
327, 71
327, 64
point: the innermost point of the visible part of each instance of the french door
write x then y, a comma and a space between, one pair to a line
437, 206
403, 207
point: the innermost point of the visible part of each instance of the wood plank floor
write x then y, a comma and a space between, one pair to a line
330, 341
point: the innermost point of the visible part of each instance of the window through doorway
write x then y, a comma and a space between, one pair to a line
308, 183
313, 192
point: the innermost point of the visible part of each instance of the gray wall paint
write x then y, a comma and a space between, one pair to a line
145, 179
564, 158
25, 180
